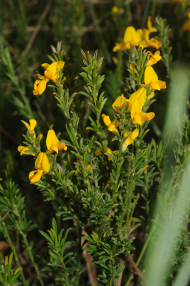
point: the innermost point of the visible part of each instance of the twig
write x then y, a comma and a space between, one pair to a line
141, 254
8, 134
5, 215
91, 268
119, 280
139, 11
29, 29
37, 28
135, 267
11, 49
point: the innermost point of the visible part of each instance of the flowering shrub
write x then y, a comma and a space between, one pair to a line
104, 177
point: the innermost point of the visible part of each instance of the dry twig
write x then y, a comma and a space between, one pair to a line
37, 28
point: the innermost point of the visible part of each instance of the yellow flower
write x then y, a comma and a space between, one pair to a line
154, 43
183, 2
137, 98
145, 41
119, 46
153, 59
53, 143
138, 38
23, 151
112, 126
141, 117
88, 166
130, 138
132, 67
150, 77
50, 73
136, 103
100, 152
121, 10
42, 165
131, 38
186, 25
149, 25
30, 126
119, 103
144, 35
115, 9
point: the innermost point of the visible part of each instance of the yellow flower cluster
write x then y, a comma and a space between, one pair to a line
186, 25
117, 10
138, 38
42, 164
136, 102
51, 73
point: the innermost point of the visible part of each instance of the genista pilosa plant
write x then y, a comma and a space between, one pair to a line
96, 186
102, 172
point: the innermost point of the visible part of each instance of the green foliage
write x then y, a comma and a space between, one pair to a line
68, 269
7, 275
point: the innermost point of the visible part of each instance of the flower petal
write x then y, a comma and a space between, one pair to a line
35, 176
45, 163
51, 76
154, 43
113, 126
60, 65
137, 119
40, 76
99, 152
149, 25
136, 108
24, 149
106, 119
42, 86
119, 103
150, 75
61, 146
135, 133
127, 142
38, 162
52, 68
126, 135
26, 124
35, 91
140, 94
155, 85
54, 148
33, 124
45, 66
51, 139
150, 115
162, 84
131, 35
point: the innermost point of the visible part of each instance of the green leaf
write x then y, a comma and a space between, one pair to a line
46, 236
119, 269
3, 201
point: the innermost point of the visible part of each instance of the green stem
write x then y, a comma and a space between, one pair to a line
13, 250
141, 254
83, 166
145, 13
119, 165
32, 258
104, 45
